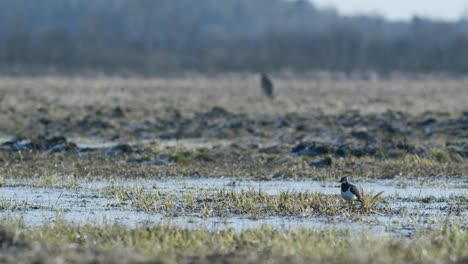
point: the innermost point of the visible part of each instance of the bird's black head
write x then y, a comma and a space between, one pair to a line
344, 180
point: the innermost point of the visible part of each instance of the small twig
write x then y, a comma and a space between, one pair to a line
376, 212
58, 198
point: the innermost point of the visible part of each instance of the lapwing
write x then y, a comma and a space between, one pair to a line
350, 192
267, 85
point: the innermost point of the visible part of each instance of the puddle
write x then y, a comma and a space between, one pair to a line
193, 143
86, 204
3, 139
186, 143
87, 143
275, 187
54, 198
133, 219
95, 143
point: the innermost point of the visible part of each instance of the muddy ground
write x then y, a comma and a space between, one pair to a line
223, 126
214, 153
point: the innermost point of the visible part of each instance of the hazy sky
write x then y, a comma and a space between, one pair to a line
400, 9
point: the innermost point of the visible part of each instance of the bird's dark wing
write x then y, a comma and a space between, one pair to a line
357, 191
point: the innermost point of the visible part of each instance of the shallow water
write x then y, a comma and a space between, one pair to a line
87, 204
135, 219
186, 143
97, 143
414, 188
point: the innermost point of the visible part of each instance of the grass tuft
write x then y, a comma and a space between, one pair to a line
370, 202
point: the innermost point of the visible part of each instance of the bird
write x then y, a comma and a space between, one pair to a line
267, 85
350, 192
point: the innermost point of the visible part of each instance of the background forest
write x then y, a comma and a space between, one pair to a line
170, 36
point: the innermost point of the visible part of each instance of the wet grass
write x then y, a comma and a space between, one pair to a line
255, 204
444, 242
228, 201
11, 204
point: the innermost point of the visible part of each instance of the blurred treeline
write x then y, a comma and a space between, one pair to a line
164, 36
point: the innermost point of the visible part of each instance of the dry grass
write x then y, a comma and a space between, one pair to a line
50, 170
237, 93
369, 201
65, 243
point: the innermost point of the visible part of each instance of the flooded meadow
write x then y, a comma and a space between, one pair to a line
206, 169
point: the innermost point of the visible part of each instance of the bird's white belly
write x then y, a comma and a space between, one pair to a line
348, 195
